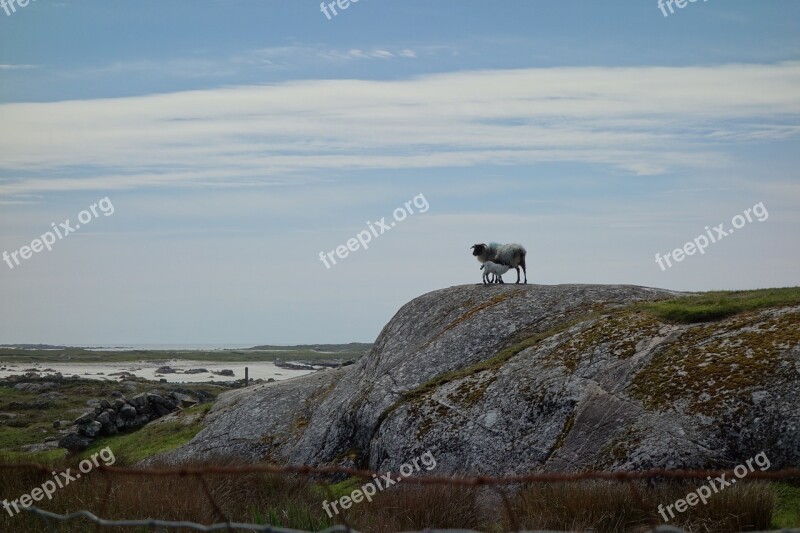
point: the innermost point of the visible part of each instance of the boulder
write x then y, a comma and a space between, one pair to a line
91, 430
183, 400
41, 447
137, 422
74, 442
127, 412
34, 387
49, 397
155, 398
508, 379
85, 418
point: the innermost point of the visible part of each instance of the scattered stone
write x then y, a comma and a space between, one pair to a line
74, 442
196, 371
184, 400
92, 429
85, 418
155, 398
224, 372
34, 387
166, 370
41, 447
297, 365
127, 412
49, 397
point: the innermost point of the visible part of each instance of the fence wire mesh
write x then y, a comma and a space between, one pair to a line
50, 520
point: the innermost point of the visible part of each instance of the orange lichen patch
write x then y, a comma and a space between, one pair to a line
720, 364
618, 334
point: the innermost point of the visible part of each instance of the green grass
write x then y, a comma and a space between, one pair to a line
33, 425
49, 457
153, 439
295, 515
717, 305
787, 508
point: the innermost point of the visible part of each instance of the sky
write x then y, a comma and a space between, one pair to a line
220, 155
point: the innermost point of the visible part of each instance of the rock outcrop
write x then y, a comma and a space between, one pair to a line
120, 415
508, 379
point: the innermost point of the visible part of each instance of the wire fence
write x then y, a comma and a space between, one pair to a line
50, 520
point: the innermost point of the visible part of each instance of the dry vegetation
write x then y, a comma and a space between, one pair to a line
297, 503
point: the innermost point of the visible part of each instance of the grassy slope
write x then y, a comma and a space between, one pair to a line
710, 306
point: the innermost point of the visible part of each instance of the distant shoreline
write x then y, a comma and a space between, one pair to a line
172, 371
42, 353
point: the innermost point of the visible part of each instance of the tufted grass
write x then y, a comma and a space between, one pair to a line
710, 306
787, 508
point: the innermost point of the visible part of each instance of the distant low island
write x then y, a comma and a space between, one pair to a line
75, 354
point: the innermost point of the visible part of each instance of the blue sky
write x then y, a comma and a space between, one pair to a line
236, 140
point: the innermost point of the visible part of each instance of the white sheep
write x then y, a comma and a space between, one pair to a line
506, 254
498, 269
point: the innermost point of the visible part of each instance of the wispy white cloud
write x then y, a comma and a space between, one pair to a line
643, 120
18, 67
269, 59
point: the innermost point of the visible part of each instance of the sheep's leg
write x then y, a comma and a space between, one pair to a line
499, 279
525, 270
517, 269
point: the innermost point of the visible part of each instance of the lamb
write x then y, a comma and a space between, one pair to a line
490, 267
512, 255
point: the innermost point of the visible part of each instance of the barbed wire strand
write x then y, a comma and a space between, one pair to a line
423, 480
166, 524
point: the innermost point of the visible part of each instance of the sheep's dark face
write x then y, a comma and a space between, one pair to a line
478, 249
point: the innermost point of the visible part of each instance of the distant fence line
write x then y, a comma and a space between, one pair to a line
494, 482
